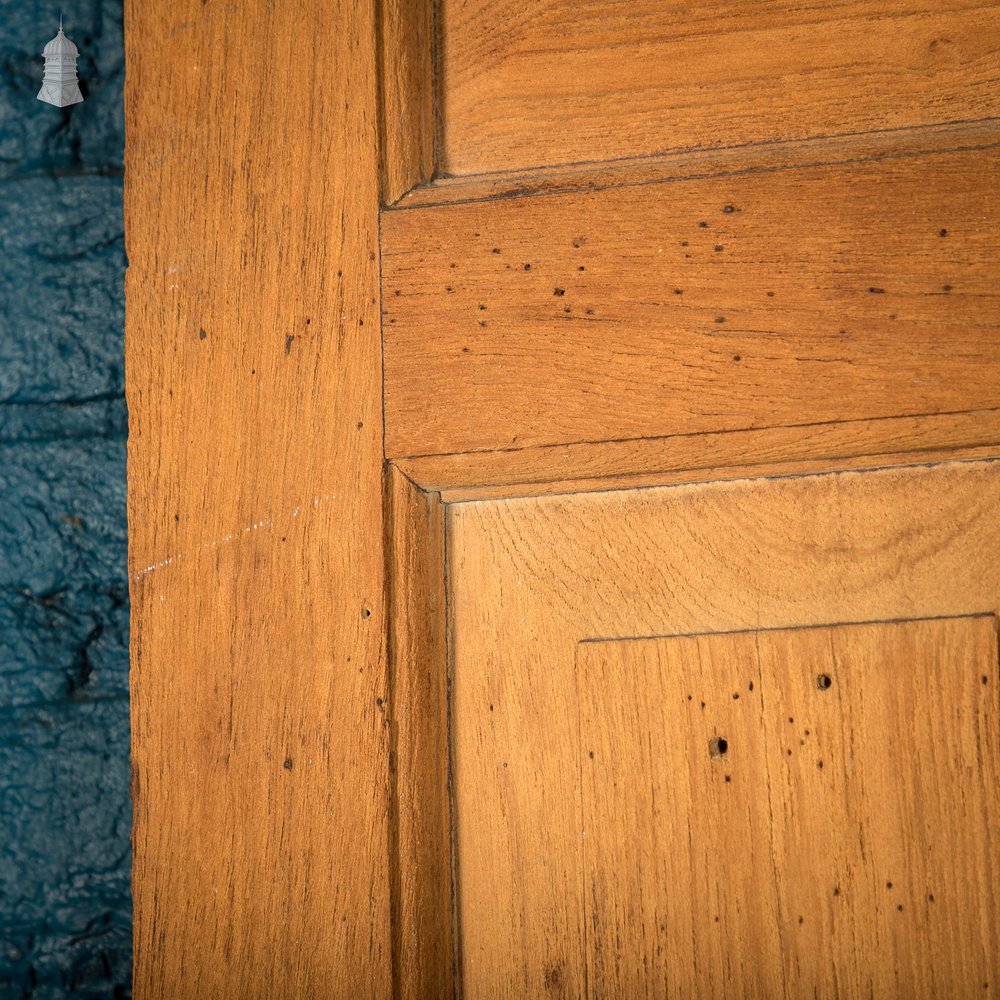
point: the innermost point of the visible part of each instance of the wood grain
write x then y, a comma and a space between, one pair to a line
688, 458
786, 297
538, 82
702, 163
406, 78
894, 797
422, 852
531, 578
260, 749
843, 844
676, 862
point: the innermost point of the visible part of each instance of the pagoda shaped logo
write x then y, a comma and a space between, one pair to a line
59, 84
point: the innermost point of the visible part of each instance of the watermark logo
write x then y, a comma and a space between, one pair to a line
60, 85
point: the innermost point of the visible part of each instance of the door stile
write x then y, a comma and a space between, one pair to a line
256, 520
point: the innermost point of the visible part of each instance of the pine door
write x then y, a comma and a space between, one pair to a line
565, 478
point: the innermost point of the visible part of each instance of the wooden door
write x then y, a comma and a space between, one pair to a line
565, 477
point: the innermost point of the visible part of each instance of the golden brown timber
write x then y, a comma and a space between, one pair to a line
423, 938
528, 83
310, 823
695, 164
406, 77
255, 503
852, 792
779, 297
692, 458
907, 735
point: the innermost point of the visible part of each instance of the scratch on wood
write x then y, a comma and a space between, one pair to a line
265, 522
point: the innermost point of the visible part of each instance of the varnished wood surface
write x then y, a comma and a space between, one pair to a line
530, 578
292, 815
687, 458
668, 845
260, 740
529, 83
406, 90
780, 297
701, 163
843, 844
423, 921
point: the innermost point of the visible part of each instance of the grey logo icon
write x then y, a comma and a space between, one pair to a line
59, 84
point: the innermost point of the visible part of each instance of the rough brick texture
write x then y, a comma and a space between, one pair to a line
65, 813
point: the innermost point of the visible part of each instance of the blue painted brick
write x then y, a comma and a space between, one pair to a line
65, 811
64, 851
61, 306
63, 588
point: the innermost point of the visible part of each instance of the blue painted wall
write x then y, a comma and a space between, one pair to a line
65, 813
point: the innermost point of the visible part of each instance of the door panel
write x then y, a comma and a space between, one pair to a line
533, 82
532, 579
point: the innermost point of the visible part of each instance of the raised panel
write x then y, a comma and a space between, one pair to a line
532, 82
530, 578
803, 812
